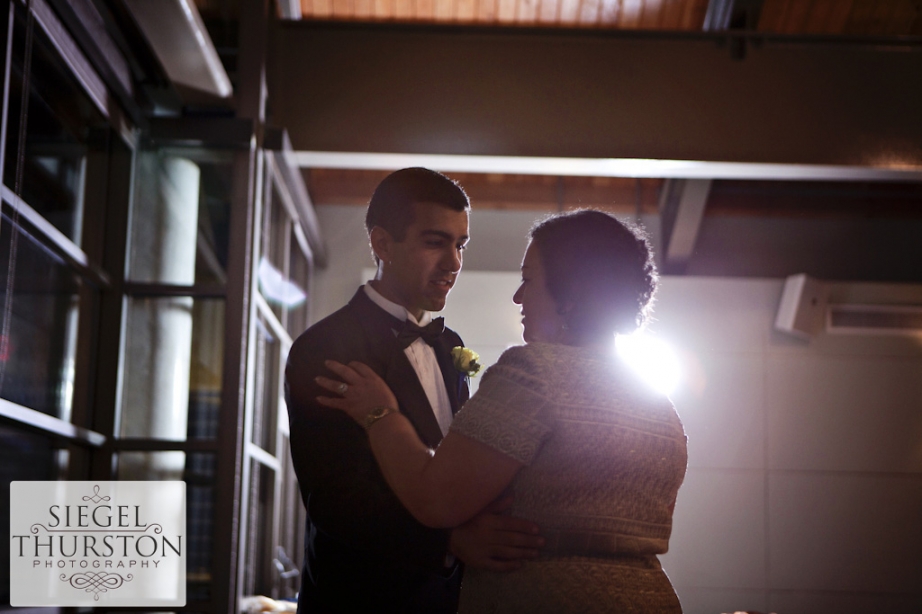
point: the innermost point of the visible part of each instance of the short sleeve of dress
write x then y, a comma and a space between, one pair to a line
510, 411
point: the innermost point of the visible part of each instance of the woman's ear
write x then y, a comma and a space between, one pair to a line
380, 240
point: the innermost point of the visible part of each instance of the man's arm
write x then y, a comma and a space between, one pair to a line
496, 542
341, 484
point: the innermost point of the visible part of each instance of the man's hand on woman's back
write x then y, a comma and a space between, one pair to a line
493, 541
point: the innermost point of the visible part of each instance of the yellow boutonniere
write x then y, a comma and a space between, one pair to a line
466, 360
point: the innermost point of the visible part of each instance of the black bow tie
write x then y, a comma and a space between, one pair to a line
429, 333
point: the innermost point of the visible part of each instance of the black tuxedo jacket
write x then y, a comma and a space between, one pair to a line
363, 551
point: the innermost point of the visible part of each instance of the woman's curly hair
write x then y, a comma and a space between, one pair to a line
599, 267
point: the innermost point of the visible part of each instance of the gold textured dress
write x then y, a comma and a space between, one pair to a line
604, 458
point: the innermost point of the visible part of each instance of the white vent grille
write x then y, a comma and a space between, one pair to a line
874, 319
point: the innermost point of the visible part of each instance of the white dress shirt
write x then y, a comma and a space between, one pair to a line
422, 357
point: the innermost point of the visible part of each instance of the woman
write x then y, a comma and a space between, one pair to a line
588, 452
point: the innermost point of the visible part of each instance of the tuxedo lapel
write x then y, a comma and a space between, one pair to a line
394, 366
403, 381
452, 377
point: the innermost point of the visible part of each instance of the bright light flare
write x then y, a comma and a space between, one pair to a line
276, 289
652, 359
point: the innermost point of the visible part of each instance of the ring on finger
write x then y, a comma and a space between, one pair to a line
343, 388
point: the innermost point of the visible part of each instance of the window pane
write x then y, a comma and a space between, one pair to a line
37, 357
273, 265
299, 272
62, 126
198, 471
282, 277
29, 457
259, 575
291, 527
180, 217
174, 354
274, 230
268, 387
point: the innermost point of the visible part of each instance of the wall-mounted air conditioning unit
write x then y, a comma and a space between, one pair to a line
874, 319
810, 306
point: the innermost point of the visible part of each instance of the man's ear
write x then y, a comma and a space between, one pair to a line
380, 240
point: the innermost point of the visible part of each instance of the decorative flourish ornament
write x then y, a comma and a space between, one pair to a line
466, 360
96, 582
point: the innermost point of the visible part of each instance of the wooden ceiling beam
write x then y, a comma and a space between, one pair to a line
815, 199
732, 15
596, 95
682, 205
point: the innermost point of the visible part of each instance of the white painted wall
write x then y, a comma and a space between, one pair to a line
804, 487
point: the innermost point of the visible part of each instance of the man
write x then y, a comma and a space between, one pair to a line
363, 551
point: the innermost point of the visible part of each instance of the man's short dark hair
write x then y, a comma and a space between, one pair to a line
391, 206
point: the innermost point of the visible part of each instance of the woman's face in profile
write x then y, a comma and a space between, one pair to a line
540, 318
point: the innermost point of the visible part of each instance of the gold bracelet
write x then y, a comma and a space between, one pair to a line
377, 413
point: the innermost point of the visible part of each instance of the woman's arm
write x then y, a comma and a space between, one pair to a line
444, 489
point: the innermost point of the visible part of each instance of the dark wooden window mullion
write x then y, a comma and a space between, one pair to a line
111, 304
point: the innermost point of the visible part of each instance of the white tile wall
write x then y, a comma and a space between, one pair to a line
480, 308
348, 254
845, 532
697, 600
801, 602
844, 413
721, 404
718, 538
707, 314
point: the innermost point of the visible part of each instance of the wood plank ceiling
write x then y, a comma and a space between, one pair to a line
839, 17
650, 14
497, 191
